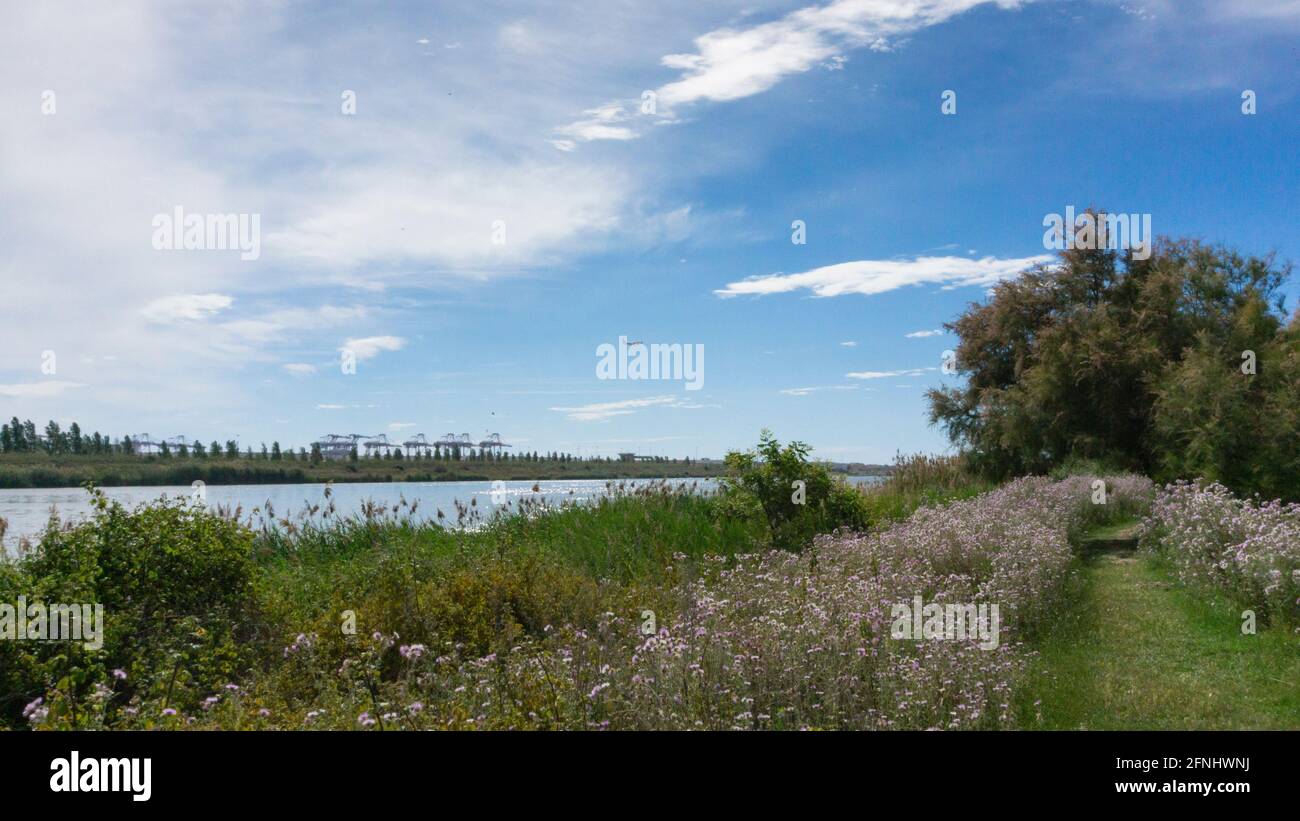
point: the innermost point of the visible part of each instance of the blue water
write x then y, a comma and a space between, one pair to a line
27, 511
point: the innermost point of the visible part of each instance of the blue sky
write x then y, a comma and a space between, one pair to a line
672, 226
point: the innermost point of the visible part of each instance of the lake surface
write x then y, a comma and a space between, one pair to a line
27, 511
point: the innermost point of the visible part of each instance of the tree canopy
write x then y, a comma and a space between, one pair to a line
1179, 365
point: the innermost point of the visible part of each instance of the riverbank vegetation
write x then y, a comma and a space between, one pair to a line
656, 607
40, 469
196, 601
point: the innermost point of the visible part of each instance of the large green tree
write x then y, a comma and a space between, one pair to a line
1145, 363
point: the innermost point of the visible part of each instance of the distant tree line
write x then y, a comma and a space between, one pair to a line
1180, 365
22, 437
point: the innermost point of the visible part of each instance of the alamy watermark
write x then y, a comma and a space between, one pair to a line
950, 622
77, 774
179, 231
53, 622
639, 360
1093, 232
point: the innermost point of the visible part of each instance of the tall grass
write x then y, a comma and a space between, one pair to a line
919, 480
628, 532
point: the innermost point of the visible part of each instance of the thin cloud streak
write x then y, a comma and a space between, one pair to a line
601, 411
733, 63
871, 277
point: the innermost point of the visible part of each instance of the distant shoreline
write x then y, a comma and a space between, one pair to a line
43, 471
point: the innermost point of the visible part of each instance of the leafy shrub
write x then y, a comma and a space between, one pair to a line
797, 498
1080, 466
176, 585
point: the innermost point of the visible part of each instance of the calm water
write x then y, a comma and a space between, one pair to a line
27, 511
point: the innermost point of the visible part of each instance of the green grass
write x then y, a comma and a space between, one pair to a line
627, 537
886, 503
1111, 532
1140, 652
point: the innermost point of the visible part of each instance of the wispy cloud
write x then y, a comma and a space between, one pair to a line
299, 368
886, 374
878, 276
606, 122
924, 334
370, 346
185, 307
600, 411
733, 63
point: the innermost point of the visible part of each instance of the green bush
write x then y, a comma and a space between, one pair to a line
176, 585
797, 498
1079, 466
20, 671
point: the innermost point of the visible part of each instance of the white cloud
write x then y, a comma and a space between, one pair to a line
37, 390
441, 213
370, 346
732, 63
274, 325
870, 277
850, 344
396, 426
924, 334
886, 374
185, 306
600, 411
299, 368
602, 123
397, 195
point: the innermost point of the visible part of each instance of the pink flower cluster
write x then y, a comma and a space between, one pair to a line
1249, 549
803, 641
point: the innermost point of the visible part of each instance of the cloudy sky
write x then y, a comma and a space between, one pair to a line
468, 199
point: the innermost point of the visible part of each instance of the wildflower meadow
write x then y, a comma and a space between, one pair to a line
1215, 541
763, 639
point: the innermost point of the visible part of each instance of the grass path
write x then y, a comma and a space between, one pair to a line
1139, 652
